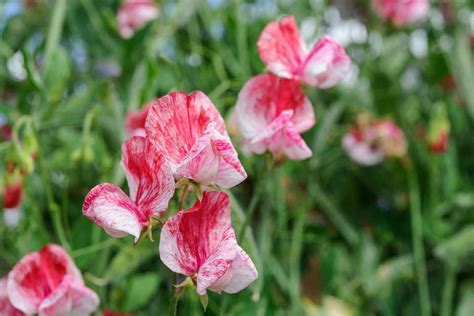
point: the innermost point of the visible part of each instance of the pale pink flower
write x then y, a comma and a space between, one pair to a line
402, 12
190, 133
6, 308
135, 122
368, 144
151, 186
271, 113
200, 243
283, 51
134, 14
48, 283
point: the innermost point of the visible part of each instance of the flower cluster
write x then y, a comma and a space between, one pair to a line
272, 109
46, 282
184, 145
370, 141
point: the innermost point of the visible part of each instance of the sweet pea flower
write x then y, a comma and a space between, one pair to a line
6, 308
135, 122
134, 14
151, 187
190, 133
271, 113
283, 51
48, 283
200, 243
12, 196
402, 12
370, 142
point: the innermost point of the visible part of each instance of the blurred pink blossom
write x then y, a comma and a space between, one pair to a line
135, 122
134, 14
402, 12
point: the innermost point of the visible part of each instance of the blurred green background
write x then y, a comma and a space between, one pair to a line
328, 236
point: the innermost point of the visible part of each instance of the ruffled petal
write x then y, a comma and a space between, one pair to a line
212, 160
149, 177
281, 48
27, 284
282, 137
108, 207
6, 308
264, 97
190, 237
56, 263
242, 272
218, 262
58, 302
176, 121
84, 300
326, 65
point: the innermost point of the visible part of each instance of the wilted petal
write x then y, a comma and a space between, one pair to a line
113, 210
264, 97
6, 308
84, 300
242, 272
190, 237
281, 137
326, 65
281, 48
149, 177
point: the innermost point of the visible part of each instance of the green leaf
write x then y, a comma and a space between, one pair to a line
458, 247
128, 259
57, 73
466, 306
140, 290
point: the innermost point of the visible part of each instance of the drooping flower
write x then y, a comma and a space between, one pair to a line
151, 186
190, 133
6, 308
48, 283
283, 51
271, 113
200, 243
13, 194
402, 12
135, 122
368, 143
134, 14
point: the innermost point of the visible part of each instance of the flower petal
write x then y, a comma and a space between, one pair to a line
84, 300
281, 48
59, 301
134, 14
149, 177
56, 263
176, 121
190, 237
264, 97
27, 284
108, 207
6, 308
218, 262
360, 151
242, 272
135, 122
326, 65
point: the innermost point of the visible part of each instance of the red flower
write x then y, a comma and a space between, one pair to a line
283, 51
13, 194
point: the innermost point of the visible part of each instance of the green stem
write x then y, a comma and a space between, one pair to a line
55, 30
334, 214
173, 309
448, 291
418, 247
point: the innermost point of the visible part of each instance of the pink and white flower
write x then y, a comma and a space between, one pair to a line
189, 131
271, 113
135, 122
370, 142
134, 14
6, 308
151, 186
402, 12
48, 283
285, 54
200, 243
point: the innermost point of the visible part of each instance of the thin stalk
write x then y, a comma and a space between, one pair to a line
173, 309
55, 30
417, 238
448, 291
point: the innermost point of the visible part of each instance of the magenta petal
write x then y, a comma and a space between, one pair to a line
84, 300
59, 301
56, 263
241, 273
108, 207
326, 65
149, 177
190, 237
231, 172
218, 262
135, 122
281, 48
6, 308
